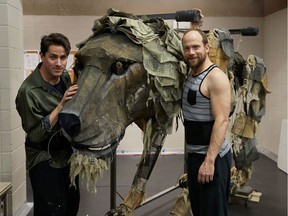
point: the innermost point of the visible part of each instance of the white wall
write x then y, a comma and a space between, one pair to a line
78, 28
12, 156
275, 57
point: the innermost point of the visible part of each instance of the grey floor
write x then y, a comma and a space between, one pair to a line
266, 178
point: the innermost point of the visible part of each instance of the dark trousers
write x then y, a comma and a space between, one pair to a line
209, 199
52, 193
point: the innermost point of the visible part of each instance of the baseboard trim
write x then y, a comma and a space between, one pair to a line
24, 209
267, 153
139, 152
261, 150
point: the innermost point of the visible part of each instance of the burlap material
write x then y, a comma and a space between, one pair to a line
182, 205
221, 48
244, 126
134, 198
218, 57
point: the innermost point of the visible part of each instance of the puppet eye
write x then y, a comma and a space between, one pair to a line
119, 67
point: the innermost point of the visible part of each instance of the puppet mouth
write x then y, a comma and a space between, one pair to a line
99, 152
112, 146
105, 152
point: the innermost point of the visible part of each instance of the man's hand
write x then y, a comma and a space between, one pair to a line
68, 94
206, 173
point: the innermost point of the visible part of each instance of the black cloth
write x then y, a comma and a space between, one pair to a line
214, 194
52, 193
198, 133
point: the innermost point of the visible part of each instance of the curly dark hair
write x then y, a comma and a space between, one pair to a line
54, 39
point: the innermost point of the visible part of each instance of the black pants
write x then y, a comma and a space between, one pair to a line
52, 193
209, 199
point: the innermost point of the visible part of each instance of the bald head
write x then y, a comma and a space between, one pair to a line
196, 33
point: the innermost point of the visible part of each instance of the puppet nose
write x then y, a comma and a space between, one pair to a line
69, 122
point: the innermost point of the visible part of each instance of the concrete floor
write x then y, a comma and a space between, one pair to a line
266, 178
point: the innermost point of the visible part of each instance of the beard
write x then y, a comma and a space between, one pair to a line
194, 64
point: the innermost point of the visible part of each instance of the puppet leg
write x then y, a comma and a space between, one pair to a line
148, 160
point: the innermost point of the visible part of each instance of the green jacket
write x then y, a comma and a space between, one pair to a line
35, 100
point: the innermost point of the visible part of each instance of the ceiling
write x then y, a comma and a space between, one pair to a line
238, 8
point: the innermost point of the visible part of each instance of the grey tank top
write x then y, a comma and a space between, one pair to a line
197, 112
196, 106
